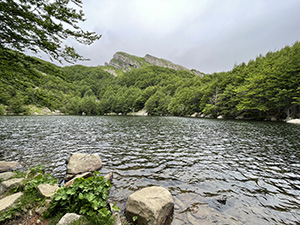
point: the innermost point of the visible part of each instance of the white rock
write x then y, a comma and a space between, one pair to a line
48, 190
294, 121
68, 218
8, 166
152, 205
194, 115
80, 163
6, 175
5, 185
9, 200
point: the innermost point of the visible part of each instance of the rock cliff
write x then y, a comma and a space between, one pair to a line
126, 62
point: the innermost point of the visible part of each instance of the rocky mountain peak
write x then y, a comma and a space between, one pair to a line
127, 62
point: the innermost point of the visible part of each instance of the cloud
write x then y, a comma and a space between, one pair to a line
206, 35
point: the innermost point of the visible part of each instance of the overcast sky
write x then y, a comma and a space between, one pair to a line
207, 35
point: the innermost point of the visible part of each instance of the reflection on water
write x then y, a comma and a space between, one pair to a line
237, 172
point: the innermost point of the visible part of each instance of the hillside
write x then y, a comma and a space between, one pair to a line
264, 88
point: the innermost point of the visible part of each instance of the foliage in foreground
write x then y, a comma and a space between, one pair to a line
43, 25
86, 197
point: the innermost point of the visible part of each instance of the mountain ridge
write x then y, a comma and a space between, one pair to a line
126, 62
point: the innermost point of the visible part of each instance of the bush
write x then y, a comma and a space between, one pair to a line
2, 110
86, 197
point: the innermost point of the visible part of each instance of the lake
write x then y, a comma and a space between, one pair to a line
218, 171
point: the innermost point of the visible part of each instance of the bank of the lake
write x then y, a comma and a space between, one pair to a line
251, 165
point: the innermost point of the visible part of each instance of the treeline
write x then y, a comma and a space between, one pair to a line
264, 88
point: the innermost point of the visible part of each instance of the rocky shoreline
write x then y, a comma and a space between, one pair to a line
44, 111
151, 205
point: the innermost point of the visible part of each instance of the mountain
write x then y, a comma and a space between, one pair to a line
126, 62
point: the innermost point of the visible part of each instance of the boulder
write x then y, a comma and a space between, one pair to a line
152, 206
294, 121
6, 175
68, 218
84, 175
81, 163
9, 200
194, 115
8, 166
48, 190
6, 185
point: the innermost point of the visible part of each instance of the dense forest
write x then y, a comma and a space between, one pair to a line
264, 88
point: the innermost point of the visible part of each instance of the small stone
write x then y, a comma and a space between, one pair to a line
48, 190
8, 184
109, 176
68, 218
117, 219
9, 200
84, 175
6, 175
41, 210
8, 166
38, 221
69, 176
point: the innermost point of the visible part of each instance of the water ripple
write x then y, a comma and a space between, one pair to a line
237, 171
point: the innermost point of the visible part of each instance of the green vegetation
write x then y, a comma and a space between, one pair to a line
264, 88
31, 197
87, 197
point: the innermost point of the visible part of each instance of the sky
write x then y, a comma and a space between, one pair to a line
207, 35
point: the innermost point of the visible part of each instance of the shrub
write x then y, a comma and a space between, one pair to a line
2, 110
86, 197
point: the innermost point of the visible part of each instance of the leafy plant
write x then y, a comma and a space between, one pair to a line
85, 197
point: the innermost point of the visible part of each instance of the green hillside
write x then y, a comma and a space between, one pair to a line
264, 88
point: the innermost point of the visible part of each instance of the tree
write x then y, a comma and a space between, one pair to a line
42, 25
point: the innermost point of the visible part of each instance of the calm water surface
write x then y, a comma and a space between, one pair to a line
218, 171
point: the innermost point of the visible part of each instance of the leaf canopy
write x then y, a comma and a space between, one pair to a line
43, 25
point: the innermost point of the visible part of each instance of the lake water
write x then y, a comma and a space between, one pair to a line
218, 171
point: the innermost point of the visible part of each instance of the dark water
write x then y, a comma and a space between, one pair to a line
218, 171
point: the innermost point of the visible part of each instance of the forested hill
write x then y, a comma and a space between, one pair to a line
264, 88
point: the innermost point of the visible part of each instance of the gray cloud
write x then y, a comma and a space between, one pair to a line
208, 35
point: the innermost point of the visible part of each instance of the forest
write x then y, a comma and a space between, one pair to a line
264, 88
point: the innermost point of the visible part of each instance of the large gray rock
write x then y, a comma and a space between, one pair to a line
81, 163
8, 184
151, 205
6, 175
48, 190
8, 166
68, 218
9, 200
